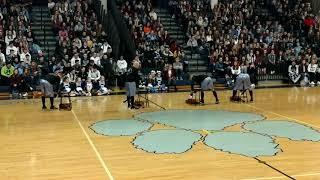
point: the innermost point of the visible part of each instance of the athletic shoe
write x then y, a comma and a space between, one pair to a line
44, 107
217, 102
53, 108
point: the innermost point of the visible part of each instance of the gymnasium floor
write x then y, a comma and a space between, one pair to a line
37, 144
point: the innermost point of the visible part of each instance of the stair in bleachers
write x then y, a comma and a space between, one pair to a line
42, 29
196, 63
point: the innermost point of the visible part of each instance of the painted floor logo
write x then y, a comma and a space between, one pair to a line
186, 128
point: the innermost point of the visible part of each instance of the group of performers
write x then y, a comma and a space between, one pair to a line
49, 84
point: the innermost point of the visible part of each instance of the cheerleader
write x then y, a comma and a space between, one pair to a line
293, 71
206, 83
312, 69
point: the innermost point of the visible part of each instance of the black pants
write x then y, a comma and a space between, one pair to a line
312, 77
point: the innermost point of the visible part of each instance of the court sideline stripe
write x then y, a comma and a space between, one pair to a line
281, 177
274, 168
93, 147
302, 122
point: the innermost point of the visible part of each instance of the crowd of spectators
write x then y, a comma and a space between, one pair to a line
235, 31
231, 34
82, 48
158, 52
19, 50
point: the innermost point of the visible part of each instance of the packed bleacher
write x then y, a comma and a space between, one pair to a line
256, 37
235, 31
19, 49
157, 50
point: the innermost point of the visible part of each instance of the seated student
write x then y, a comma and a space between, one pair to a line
6, 73
303, 70
65, 86
16, 82
79, 89
94, 75
293, 71
89, 86
312, 69
103, 90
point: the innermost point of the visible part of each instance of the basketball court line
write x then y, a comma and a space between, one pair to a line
302, 122
282, 177
296, 120
93, 147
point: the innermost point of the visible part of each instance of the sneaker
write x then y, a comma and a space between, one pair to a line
318, 83
44, 107
25, 94
53, 108
218, 102
312, 83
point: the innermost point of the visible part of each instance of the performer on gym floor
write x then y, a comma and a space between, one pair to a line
132, 78
49, 84
206, 83
242, 84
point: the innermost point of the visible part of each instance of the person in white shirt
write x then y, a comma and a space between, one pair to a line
51, 4
153, 15
9, 37
2, 59
94, 75
121, 66
74, 59
106, 48
312, 69
12, 47
293, 71
23, 56
96, 59
235, 69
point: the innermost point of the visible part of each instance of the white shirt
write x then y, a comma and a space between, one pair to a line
96, 60
94, 75
51, 5
105, 48
235, 71
74, 59
153, 15
312, 68
2, 58
122, 66
23, 57
9, 48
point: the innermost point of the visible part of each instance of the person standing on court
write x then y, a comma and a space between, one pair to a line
206, 83
49, 84
132, 78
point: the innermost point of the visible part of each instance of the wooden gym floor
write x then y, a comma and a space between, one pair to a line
37, 144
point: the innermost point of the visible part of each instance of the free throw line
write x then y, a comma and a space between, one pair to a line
93, 147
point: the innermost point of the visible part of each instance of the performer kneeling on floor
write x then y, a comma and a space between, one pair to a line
206, 83
242, 84
49, 83
132, 77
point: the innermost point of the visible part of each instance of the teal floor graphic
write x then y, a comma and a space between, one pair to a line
166, 141
199, 119
247, 144
126, 127
257, 137
285, 129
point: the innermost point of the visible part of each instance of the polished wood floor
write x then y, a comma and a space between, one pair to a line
37, 144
